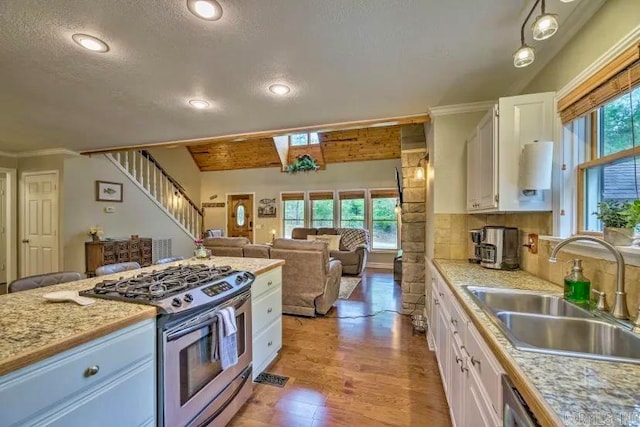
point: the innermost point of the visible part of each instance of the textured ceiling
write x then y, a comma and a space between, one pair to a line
345, 60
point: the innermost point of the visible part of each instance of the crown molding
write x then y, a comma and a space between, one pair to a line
470, 107
574, 22
622, 45
47, 152
7, 154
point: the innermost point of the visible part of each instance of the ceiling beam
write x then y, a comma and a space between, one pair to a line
387, 121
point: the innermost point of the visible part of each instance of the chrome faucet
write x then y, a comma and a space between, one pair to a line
619, 309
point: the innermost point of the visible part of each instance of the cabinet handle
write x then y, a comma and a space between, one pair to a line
270, 343
269, 310
455, 332
435, 300
474, 361
458, 360
441, 294
454, 322
463, 369
269, 283
91, 371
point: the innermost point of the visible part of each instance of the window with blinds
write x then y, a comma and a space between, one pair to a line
384, 220
322, 209
602, 121
352, 209
292, 212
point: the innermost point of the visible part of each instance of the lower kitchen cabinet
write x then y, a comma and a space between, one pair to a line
470, 373
110, 381
266, 314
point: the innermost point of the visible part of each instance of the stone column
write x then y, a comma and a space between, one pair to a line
413, 233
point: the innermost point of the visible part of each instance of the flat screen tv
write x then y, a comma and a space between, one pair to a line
399, 184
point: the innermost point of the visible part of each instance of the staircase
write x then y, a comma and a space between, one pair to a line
145, 172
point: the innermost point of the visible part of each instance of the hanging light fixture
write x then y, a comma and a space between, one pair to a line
419, 172
525, 55
545, 25
398, 208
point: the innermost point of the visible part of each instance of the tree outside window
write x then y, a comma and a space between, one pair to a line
352, 213
384, 223
322, 213
293, 216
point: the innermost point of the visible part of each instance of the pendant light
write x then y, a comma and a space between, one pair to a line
419, 172
545, 25
525, 55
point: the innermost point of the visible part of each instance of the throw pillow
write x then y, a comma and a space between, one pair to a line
333, 240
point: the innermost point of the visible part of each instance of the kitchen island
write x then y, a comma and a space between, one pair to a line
559, 390
45, 344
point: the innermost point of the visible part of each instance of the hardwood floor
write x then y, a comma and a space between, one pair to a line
352, 372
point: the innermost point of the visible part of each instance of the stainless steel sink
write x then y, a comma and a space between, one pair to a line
549, 324
497, 300
589, 338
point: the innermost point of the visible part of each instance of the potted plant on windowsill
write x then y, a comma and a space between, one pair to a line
615, 217
632, 215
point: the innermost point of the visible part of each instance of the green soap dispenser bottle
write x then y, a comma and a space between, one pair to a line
577, 288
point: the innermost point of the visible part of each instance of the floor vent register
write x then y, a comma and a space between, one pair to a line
272, 379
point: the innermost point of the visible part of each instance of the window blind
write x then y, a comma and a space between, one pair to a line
345, 195
292, 196
383, 194
321, 195
608, 83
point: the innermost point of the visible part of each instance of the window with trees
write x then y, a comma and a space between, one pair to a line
352, 209
304, 139
322, 212
384, 220
292, 212
608, 169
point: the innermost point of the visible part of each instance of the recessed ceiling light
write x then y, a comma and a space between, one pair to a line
205, 9
279, 89
90, 42
198, 104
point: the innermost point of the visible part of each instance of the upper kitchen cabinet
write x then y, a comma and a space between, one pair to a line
494, 154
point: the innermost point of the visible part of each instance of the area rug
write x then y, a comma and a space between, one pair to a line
347, 286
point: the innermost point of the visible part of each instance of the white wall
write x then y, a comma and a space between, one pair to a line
449, 160
610, 24
269, 182
137, 214
180, 165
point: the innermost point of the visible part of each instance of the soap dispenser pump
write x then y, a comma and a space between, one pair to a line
577, 288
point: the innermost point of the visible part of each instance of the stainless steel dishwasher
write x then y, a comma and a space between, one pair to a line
516, 413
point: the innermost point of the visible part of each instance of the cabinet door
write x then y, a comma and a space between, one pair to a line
473, 170
486, 160
523, 119
476, 410
455, 382
442, 344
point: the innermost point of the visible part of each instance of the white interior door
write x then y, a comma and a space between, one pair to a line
3, 229
40, 224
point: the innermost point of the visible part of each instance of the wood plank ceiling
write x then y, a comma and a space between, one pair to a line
353, 145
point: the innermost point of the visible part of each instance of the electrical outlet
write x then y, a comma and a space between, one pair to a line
109, 209
532, 243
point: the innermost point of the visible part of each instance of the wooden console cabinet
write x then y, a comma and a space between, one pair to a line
115, 251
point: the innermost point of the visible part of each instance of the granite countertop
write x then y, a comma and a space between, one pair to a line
573, 391
32, 328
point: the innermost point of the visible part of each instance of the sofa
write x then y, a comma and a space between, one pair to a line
310, 277
310, 280
353, 247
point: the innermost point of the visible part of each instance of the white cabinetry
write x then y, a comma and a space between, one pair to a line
266, 315
109, 381
494, 149
470, 373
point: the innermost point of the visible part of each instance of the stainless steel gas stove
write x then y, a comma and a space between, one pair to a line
176, 289
193, 389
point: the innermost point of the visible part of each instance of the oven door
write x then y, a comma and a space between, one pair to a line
192, 379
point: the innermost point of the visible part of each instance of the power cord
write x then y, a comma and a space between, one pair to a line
363, 316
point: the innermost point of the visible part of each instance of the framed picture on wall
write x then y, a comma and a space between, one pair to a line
267, 208
108, 191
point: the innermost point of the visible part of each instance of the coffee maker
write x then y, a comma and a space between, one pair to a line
499, 248
475, 255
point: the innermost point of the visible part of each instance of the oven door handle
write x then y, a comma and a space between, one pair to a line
208, 319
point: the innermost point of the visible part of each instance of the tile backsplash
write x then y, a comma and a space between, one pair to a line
452, 241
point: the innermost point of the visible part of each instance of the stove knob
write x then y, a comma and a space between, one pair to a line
246, 276
239, 279
176, 302
188, 298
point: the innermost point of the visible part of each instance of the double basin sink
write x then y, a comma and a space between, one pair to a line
549, 324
